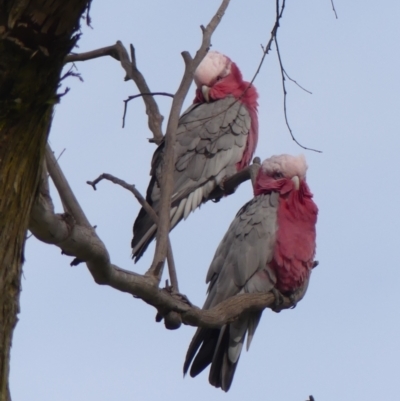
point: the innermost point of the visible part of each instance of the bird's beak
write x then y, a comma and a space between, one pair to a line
205, 91
296, 182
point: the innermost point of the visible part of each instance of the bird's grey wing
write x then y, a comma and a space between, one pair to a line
211, 140
245, 251
144, 228
240, 265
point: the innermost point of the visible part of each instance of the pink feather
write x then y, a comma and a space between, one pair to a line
297, 216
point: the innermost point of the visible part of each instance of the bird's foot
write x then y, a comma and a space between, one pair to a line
177, 295
172, 319
227, 189
222, 183
293, 300
296, 296
278, 300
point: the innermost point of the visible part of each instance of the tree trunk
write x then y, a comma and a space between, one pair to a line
35, 37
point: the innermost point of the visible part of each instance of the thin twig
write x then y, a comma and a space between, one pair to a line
333, 8
71, 73
69, 200
295, 82
141, 95
267, 47
62, 152
150, 211
284, 100
279, 13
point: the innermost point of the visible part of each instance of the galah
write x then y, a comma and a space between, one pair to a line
216, 138
270, 245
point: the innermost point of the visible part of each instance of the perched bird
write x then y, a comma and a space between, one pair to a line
269, 245
216, 138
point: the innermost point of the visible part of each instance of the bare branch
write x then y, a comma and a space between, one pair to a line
104, 51
333, 8
150, 211
284, 100
266, 49
141, 95
168, 162
230, 185
155, 118
69, 200
295, 82
119, 52
80, 240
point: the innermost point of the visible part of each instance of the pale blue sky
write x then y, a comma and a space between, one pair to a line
78, 341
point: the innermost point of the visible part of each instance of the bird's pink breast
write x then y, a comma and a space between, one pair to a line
295, 240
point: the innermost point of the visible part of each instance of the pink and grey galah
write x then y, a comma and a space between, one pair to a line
270, 245
216, 138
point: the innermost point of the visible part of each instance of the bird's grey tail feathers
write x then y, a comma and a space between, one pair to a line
144, 230
221, 348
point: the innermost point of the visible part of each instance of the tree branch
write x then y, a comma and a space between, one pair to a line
81, 241
150, 211
333, 8
69, 200
168, 162
283, 73
230, 185
119, 52
141, 95
104, 51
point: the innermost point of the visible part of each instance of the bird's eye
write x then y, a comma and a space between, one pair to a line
278, 175
219, 78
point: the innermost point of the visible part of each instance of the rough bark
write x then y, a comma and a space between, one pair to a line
35, 37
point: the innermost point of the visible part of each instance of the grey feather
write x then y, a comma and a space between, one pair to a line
188, 206
240, 265
179, 212
210, 141
251, 327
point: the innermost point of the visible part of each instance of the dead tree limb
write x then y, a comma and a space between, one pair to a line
119, 52
150, 211
76, 237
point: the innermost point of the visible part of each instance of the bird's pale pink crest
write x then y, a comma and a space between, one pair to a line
276, 172
288, 165
213, 66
